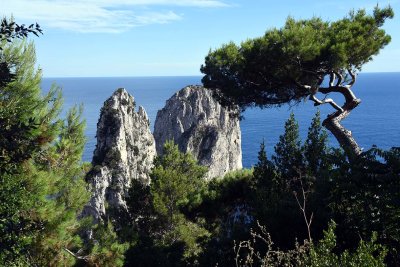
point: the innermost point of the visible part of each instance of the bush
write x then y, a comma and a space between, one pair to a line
321, 254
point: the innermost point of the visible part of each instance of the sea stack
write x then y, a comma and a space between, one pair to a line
124, 152
198, 124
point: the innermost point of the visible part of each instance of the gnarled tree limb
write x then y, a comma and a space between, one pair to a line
339, 78
332, 78
344, 136
346, 92
325, 101
353, 79
332, 122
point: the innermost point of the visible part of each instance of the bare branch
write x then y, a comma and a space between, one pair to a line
247, 255
339, 78
353, 79
325, 101
85, 258
308, 221
332, 78
344, 90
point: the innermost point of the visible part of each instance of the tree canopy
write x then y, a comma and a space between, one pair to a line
289, 64
10, 30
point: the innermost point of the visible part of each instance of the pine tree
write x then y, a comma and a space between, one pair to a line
177, 180
263, 167
315, 147
41, 188
268, 188
104, 249
28, 121
288, 152
267, 182
28, 125
67, 192
316, 177
288, 64
284, 178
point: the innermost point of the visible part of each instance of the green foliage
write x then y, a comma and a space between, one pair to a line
161, 225
222, 196
27, 119
365, 199
288, 152
296, 170
180, 219
176, 178
361, 196
267, 179
234, 186
65, 194
269, 189
104, 248
230, 206
315, 147
321, 254
227, 214
367, 253
202, 229
140, 205
42, 189
10, 30
318, 167
275, 182
273, 69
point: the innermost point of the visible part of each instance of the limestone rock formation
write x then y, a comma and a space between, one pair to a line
201, 126
125, 151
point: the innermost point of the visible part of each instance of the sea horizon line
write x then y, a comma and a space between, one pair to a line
174, 76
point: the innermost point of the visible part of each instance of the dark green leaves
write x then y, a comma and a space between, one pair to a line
10, 30
288, 64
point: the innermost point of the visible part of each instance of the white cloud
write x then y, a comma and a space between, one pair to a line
111, 16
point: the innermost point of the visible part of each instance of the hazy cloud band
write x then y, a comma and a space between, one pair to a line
112, 16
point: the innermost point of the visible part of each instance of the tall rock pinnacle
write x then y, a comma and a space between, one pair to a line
125, 151
201, 126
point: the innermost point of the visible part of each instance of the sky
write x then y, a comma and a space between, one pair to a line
111, 38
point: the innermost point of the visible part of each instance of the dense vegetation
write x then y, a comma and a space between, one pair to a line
41, 188
341, 212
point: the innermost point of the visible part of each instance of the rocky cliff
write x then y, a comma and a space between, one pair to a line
201, 126
125, 150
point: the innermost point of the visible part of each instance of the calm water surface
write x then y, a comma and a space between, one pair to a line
375, 122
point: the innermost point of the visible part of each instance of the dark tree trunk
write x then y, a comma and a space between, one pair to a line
342, 135
332, 122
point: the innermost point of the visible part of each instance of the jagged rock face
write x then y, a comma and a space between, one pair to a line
125, 151
201, 126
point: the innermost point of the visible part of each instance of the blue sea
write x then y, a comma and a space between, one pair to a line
375, 122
